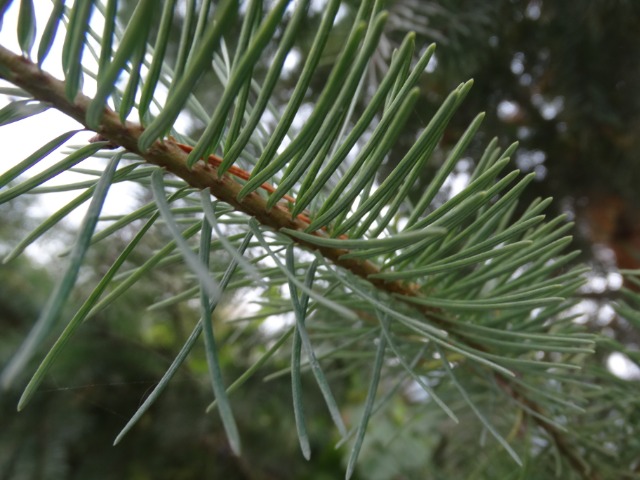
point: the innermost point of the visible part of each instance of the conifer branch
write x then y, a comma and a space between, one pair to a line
25, 74
166, 154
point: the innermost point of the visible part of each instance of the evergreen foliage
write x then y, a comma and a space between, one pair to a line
466, 298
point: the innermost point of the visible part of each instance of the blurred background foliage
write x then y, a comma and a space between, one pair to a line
560, 77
